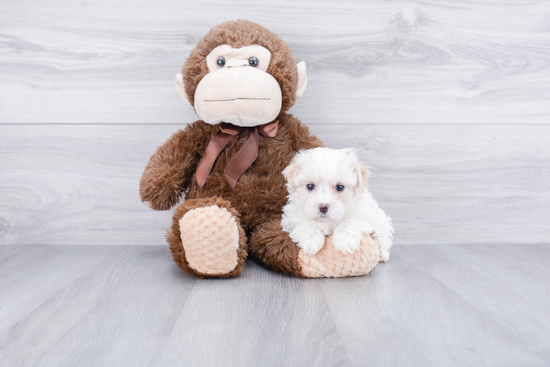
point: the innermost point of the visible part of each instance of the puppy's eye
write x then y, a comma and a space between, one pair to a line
310, 187
253, 61
340, 187
221, 61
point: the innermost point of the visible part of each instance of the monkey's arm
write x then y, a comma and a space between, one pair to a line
172, 166
302, 138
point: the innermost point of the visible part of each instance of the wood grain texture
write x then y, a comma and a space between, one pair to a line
482, 305
442, 184
99, 61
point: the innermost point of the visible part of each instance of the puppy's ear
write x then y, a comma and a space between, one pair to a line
363, 175
290, 172
362, 171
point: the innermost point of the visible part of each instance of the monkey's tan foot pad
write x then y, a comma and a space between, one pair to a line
210, 238
331, 263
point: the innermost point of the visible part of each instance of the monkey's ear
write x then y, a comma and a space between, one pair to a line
290, 172
181, 89
302, 79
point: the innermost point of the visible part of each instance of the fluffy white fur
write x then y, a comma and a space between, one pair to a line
329, 195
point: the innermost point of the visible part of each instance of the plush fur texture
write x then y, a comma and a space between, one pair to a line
259, 195
257, 200
329, 196
274, 248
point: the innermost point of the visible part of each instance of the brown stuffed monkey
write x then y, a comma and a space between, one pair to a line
241, 79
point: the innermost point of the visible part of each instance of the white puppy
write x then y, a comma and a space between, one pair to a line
329, 195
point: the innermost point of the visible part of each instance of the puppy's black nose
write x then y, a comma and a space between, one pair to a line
323, 208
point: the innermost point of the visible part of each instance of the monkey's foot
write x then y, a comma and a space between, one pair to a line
207, 241
331, 263
276, 250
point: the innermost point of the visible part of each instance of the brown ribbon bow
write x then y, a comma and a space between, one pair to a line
244, 157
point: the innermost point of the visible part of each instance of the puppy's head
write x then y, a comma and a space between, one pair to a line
325, 181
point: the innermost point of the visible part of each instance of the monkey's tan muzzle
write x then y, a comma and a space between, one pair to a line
239, 95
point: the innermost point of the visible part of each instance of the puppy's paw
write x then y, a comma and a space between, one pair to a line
312, 244
345, 241
384, 256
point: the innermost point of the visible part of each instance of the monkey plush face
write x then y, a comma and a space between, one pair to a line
238, 89
241, 73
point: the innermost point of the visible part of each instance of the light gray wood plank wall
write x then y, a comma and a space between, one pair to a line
99, 61
449, 101
442, 184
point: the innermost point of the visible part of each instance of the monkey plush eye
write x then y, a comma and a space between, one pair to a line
340, 187
310, 187
253, 61
221, 61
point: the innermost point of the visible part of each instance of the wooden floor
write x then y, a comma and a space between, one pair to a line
438, 305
